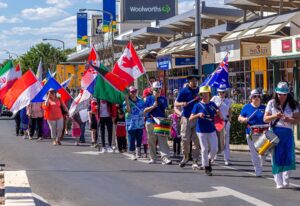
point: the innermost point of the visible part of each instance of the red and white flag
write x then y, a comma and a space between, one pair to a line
80, 104
22, 92
129, 66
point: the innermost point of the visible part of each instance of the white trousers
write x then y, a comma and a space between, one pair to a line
227, 141
257, 160
209, 143
282, 178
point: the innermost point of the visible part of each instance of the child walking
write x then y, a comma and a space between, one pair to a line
94, 120
121, 131
76, 131
175, 133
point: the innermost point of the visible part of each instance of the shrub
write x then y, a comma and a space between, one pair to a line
237, 130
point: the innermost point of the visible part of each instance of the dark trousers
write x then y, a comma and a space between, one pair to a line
36, 124
122, 143
18, 123
106, 122
176, 145
82, 129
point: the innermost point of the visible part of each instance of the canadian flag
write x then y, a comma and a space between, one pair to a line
93, 57
129, 66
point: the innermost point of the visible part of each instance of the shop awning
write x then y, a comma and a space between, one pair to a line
263, 27
287, 57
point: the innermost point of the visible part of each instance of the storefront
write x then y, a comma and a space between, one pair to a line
285, 60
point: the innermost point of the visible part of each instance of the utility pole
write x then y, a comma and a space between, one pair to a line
198, 49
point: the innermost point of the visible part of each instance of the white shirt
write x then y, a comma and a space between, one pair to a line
287, 112
104, 109
224, 105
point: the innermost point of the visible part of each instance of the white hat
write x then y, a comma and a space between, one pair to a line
282, 88
255, 92
156, 85
222, 88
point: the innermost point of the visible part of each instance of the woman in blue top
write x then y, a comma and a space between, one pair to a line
134, 117
283, 112
253, 114
204, 112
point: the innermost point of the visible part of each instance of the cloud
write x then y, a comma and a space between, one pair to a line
69, 21
93, 1
13, 20
184, 6
3, 5
42, 13
60, 3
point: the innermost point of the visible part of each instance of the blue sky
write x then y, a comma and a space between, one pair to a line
24, 23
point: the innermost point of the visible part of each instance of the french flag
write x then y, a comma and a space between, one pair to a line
52, 83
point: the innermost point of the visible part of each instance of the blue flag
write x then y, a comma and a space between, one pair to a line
219, 76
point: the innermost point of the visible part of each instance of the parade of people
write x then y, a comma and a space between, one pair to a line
202, 97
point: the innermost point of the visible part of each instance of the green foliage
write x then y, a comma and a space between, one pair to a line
50, 56
237, 130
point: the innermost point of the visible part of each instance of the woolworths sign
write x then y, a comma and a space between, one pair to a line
148, 10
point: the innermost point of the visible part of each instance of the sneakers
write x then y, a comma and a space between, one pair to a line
183, 162
133, 157
195, 166
109, 150
152, 161
227, 163
40, 138
102, 150
258, 173
279, 186
208, 171
30, 138
166, 161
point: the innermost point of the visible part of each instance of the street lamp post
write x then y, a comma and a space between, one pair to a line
10, 53
198, 49
63, 43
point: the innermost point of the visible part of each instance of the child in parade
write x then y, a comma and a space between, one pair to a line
76, 131
283, 113
175, 133
252, 114
121, 131
24, 123
204, 112
94, 120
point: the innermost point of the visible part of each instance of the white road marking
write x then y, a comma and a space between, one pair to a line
218, 192
36, 196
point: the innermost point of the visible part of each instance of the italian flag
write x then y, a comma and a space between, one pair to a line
22, 92
8, 76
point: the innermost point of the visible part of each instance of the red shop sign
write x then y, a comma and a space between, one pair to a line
286, 45
298, 44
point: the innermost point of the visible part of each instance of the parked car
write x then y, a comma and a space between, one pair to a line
6, 112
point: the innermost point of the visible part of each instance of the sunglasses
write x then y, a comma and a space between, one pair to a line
133, 92
282, 94
255, 96
156, 89
221, 92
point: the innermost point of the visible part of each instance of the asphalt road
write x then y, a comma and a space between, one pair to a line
77, 176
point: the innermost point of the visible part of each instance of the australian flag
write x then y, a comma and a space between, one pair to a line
219, 76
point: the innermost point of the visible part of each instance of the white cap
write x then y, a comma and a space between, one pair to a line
222, 88
156, 85
255, 92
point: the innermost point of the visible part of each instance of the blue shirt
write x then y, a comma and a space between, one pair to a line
205, 125
187, 94
135, 119
159, 111
258, 116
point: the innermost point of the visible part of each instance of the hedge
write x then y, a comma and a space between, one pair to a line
237, 130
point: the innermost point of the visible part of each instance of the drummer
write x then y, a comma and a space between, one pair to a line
186, 99
204, 112
155, 106
224, 105
283, 113
252, 114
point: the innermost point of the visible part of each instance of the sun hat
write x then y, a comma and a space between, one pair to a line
156, 85
282, 88
132, 89
255, 92
204, 89
222, 88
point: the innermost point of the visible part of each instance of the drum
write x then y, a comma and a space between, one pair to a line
266, 142
162, 127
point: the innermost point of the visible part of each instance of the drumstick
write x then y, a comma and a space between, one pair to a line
195, 99
252, 114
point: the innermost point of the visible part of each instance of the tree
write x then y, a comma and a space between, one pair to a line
50, 56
